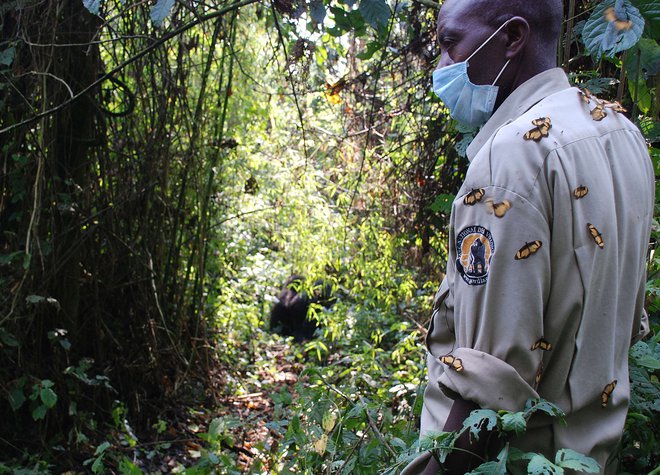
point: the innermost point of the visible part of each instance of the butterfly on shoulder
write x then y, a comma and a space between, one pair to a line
498, 209
598, 238
455, 363
542, 126
615, 106
528, 249
607, 393
473, 197
580, 192
598, 113
542, 344
610, 16
585, 94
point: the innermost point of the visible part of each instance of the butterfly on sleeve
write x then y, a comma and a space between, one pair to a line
542, 126
595, 234
474, 196
453, 362
528, 249
607, 393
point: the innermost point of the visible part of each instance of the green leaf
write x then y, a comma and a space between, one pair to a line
442, 204
372, 48
93, 6
39, 412
7, 56
649, 56
479, 420
33, 299
650, 10
160, 11
567, 458
16, 398
317, 11
514, 422
489, 468
48, 397
102, 448
97, 466
649, 362
541, 405
603, 37
375, 12
126, 467
539, 465
7, 338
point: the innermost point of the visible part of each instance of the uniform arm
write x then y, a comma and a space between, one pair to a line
500, 287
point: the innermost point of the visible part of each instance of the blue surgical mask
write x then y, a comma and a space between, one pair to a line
470, 104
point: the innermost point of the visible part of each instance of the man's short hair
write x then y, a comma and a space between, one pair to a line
544, 16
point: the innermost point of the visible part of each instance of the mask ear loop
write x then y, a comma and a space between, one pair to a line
501, 71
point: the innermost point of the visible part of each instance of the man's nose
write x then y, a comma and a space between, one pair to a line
445, 60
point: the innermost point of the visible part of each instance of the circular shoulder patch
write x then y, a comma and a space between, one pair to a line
474, 248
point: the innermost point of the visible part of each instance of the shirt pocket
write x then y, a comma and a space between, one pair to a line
440, 335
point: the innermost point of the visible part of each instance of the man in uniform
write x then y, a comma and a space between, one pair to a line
560, 193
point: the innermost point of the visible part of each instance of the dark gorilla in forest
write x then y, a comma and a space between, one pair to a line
289, 316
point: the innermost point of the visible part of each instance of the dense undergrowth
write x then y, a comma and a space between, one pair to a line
146, 229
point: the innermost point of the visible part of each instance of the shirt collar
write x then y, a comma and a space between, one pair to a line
520, 101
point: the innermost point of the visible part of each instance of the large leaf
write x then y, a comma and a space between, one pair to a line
489, 468
514, 422
93, 6
317, 11
650, 10
647, 52
16, 398
567, 458
7, 56
160, 11
605, 36
479, 420
375, 12
539, 465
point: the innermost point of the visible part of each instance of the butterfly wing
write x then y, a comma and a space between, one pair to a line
542, 344
474, 197
595, 234
598, 113
607, 393
580, 192
528, 249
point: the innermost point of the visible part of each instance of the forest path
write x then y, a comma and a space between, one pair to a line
275, 371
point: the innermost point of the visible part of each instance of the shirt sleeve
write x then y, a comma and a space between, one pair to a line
500, 282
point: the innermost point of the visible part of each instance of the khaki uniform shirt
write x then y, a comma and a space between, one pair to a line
546, 275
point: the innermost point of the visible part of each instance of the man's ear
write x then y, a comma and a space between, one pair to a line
517, 31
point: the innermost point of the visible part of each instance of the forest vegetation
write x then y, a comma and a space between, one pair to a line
166, 165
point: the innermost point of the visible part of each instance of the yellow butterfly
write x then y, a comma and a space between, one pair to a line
580, 192
596, 235
452, 362
607, 392
585, 94
615, 106
474, 196
542, 126
610, 16
543, 344
539, 375
598, 113
528, 249
499, 209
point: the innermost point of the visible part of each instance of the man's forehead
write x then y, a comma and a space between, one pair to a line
457, 15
